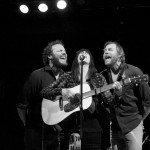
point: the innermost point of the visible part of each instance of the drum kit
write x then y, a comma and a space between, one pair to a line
75, 141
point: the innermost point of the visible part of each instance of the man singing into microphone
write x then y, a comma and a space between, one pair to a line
91, 127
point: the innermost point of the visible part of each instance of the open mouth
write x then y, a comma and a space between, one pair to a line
107, 57
63, 57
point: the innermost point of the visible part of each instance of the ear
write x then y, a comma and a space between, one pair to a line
50, 57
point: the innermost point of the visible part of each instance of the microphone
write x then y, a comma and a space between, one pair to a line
82, 57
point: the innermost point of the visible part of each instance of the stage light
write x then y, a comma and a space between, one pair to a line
43, 7
24, 9
61, 4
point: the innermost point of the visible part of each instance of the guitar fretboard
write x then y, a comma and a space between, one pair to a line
99, 90
110, 86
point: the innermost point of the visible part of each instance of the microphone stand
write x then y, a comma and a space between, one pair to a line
81, 107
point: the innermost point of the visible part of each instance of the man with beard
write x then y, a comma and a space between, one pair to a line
38, 135
130, 105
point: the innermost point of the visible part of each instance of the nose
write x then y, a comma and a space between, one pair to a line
64, 52
105, 51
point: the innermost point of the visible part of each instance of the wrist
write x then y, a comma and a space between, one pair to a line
63, 92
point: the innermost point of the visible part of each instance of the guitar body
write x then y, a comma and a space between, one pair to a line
53, 114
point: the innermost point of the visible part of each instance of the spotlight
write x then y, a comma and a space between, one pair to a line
61, 4
24, 9
43, 7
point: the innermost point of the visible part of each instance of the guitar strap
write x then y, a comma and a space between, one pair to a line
122, 73
106, 75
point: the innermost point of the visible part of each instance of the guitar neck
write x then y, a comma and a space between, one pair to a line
99, 90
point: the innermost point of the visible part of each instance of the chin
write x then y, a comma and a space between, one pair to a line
60, 64
64, 64
107, 64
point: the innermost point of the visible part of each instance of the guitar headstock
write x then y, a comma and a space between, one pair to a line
137, 80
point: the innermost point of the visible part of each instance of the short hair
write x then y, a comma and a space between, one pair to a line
48, 51
119, 49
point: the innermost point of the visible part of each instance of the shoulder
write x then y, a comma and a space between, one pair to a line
66, 75
104, 72
38, 73
98, 76
134, 70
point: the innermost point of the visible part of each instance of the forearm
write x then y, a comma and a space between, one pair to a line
50, 93
22, 114
54, 89
146, 112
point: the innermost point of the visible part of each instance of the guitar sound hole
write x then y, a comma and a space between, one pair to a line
75, 100
74, 103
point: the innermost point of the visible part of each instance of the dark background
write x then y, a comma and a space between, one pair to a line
84, 24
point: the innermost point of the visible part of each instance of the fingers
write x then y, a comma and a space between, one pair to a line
107, 94
67, 93
117, 86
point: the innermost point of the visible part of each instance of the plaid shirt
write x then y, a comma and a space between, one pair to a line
66, 81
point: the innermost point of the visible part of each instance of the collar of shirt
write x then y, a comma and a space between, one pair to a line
47, 68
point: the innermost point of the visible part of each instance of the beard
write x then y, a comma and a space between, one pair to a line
58, 64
